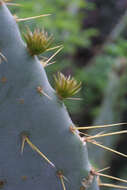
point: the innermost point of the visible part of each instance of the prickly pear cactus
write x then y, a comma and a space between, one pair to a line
39, 149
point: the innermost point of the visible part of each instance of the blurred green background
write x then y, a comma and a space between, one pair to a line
94, 37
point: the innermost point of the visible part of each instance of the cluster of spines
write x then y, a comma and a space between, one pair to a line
39, 42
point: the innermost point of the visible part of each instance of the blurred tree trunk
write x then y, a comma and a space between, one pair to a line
108, 114
109, 17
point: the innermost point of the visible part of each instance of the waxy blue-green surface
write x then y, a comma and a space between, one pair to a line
45, 121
